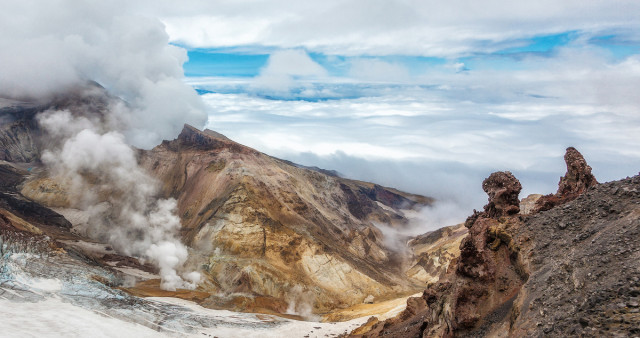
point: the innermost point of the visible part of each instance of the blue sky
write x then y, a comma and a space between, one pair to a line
228, 63
247, 62
429, 105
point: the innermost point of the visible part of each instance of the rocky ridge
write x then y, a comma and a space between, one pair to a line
545, 274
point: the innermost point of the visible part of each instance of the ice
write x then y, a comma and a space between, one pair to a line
61, 296
55, 318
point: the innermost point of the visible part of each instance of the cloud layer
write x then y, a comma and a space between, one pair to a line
432, 28
440, 133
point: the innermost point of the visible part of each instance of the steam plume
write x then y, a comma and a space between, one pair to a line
103, 178
48, 48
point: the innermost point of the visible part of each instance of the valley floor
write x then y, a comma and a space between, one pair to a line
40, 298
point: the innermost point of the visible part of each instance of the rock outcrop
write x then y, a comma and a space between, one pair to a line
487, 274
503, 190
575, 182
547, 274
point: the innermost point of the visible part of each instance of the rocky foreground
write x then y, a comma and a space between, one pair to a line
571, 267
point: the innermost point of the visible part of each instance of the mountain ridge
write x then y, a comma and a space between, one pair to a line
269, 235
569, 268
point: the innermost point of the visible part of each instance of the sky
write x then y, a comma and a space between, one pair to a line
425, 96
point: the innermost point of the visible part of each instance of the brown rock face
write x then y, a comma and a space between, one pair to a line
571, 271
487, 274
503, 190
574, 183
262, 226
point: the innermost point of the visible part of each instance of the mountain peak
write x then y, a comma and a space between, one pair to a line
192, 137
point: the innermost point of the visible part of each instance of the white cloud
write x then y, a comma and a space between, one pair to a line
443, 138
378, 71
285, 68
434, 28
45, 48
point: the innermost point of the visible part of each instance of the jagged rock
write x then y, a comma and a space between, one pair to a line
485, 276
578, 177
552, 274
503, 190
574, 183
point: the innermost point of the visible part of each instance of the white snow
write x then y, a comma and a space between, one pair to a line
287, 328
137, 273
54, 318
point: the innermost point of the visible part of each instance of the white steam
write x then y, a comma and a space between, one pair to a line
48, 47
300, 302
103, 178
429, 218
440, 214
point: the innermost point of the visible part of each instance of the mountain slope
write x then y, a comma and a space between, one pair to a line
268, 235
266, 226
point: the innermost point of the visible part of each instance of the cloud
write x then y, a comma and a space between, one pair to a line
430, 28
103, 179
444, 132
56, 48
285, 68
46, 48
378, 71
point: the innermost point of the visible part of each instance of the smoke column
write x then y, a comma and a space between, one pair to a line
48, 48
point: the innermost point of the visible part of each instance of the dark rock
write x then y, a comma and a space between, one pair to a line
32, 211
578, 177
577, 180
503, 190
